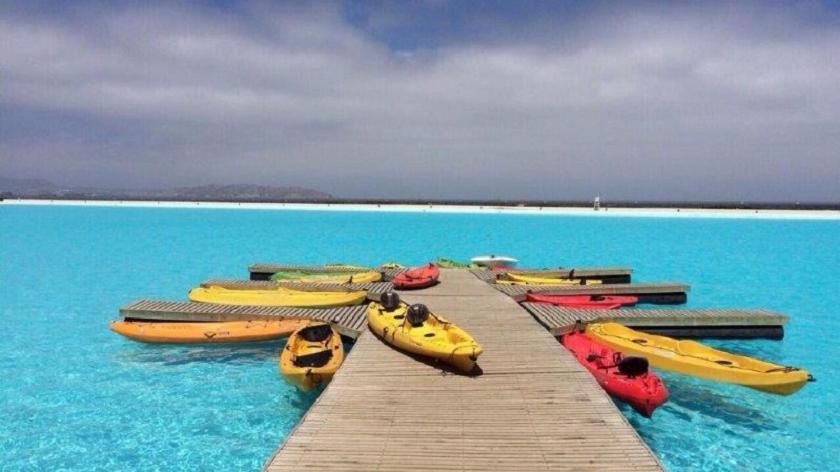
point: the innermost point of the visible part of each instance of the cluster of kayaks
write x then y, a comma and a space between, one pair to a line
618, 357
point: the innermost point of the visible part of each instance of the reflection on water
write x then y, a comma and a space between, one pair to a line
173, 355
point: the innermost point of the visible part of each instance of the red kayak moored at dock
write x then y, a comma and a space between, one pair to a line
624, 377
417, 277
583, 301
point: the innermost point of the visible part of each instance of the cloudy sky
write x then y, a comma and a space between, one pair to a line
491, 99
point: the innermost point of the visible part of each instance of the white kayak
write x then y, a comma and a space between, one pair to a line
492, 261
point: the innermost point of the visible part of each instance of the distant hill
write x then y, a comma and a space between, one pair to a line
247, 192
39, 188
26, 185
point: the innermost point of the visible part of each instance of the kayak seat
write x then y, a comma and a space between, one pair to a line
316, 334
632, 366
317, 359
390, 301
417, 314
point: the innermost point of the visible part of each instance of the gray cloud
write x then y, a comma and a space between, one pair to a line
648, 103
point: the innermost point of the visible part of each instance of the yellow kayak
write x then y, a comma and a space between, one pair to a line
280, 296
513, 278
391, 265
340, 265
416, 330
311, 356
209, 332
693, 358
298, 276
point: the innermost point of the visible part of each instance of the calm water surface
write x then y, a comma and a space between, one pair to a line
75, 396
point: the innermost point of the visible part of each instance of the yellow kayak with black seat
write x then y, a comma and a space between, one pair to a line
512, 278
699, 360
280, 296
416, 330
311, 356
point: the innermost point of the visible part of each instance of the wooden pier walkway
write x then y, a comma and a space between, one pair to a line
533, 408
681, 323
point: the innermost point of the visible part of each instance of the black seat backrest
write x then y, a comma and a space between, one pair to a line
316, 333
632, 366
317, 359
390, 301
417, 314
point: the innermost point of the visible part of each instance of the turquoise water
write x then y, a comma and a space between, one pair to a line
75, 396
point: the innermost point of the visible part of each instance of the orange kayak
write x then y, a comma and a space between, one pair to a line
206, 332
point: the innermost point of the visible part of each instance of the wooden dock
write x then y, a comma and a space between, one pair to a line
683, 323
349, 321
660, 293
609, 275
533, 407
264, 271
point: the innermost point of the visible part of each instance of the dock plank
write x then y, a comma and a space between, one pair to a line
650, 292
730, 323
533, 407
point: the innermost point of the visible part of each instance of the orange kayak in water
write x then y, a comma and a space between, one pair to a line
206, 332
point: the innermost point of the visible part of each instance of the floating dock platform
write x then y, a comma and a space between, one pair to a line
533, 407
349, 321
667, 293
682, 323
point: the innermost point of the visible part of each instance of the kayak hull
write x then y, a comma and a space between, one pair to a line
277, 297
168, 332
417, 278
451, 264
644, 392
514, 278
492, 262
308, 377
698, 360
298, 276
583, 301
437, 338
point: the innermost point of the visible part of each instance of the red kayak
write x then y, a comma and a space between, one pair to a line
584, 301
418, 277
624, 377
